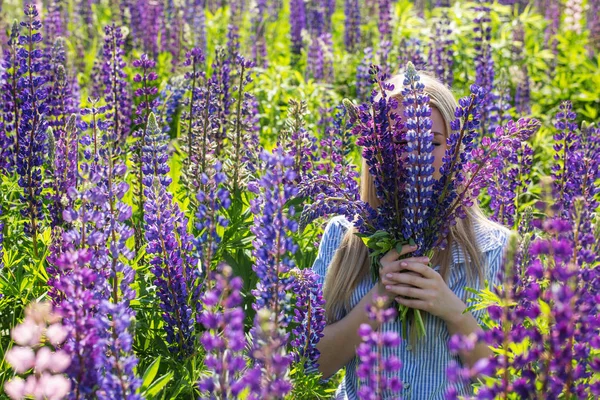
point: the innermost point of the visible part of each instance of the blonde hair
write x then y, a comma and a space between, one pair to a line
350, 263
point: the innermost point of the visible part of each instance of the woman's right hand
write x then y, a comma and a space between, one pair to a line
392, 264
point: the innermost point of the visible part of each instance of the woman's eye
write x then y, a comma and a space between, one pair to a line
437, 144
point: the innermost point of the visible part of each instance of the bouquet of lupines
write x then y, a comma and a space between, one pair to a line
416, 208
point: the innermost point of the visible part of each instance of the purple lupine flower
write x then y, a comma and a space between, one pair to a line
146, 92
320, 51
116, 87
335, 183
59, 100
98, 125
321, 56
53, 21
548, 288
223, 339
64, 169
479, 170
213, 198
352, 35
233, 42
147, 102
198, 117
252, 125
316, 15
484, 68
221, 83
169, 258
168, 101
385, 20
363, 78
11, 110
119, 380
31, 133
105, 230
171, 31
77, 283
194, 59
273, 244
114, 315
565, 171
512, 181
411, 50
441, 55
297, 25
243, 132
267, 378
259, 39
378, 375
419, 160
309, 314
199, 24
297, 141
590, 163
5, 150
144, 27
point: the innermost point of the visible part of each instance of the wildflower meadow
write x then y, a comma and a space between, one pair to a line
167, 169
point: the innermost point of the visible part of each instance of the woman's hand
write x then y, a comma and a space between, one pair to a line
390, 264
424, 289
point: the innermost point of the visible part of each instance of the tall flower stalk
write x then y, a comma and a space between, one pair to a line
116, 87
223, 318
273, 244
378, 374
168, 246
32, 127
147, 102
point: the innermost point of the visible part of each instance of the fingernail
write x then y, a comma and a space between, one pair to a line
388, 287
403, 264
388, 275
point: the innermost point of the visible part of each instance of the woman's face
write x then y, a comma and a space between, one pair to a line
438, 128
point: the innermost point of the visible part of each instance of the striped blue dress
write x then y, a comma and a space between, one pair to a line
423, 371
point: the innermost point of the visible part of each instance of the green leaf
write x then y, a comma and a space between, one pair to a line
399, 247
150, 373
158, 385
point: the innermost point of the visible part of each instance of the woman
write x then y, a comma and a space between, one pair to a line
475, 252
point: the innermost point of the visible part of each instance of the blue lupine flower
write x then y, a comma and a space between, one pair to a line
33, 147
169, 249
273, 243
419, 160
309, 315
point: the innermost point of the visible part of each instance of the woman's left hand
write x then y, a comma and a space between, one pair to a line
427, 291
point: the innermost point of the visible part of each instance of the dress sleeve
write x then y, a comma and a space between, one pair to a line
332, 237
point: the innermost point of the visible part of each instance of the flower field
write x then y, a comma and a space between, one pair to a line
167, 169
